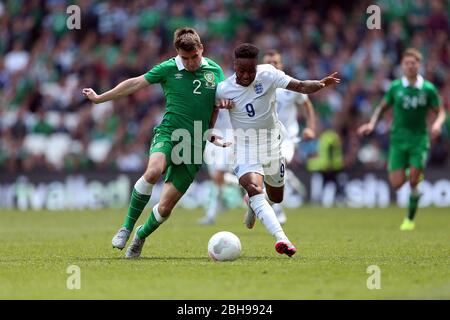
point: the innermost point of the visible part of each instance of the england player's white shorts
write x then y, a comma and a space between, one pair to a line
273, 171
269, 163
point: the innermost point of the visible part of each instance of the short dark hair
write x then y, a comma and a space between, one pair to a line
246, 51
186, 39
272, 52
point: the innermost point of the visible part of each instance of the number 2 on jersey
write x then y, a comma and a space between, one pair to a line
198, 84
250, 110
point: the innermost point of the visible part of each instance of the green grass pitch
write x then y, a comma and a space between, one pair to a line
335, 248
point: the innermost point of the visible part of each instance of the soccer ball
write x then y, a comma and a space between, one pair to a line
224, 246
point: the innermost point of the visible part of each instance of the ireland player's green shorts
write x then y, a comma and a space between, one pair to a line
403, 156
181, 175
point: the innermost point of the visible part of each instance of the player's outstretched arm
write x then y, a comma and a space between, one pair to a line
124, 88
311, 86
367, 128
436, 127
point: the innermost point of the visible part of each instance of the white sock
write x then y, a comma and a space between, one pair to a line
211, 213
280, 236
268, 199
158, 216
267, 216
143, 187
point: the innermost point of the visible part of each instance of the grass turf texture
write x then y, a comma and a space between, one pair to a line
335, 247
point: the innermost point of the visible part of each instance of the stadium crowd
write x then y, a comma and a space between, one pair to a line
46, 123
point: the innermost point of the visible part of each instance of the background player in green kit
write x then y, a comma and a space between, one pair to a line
189, 83
411, 98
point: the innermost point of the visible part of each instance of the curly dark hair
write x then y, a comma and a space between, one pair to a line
246, 51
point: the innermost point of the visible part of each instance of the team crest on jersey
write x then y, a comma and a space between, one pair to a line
209, 77
258, 87
159, 145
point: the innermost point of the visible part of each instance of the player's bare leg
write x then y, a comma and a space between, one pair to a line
160, 213
252, 182
275, 194
415, 177
397, 179
139, 198
288, 151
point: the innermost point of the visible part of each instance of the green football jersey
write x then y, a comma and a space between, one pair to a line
190, 96
410, 108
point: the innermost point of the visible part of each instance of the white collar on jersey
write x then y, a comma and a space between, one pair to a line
180, 64
418, 84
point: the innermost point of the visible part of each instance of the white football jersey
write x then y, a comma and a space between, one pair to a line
257, 130
287, 102
255, 105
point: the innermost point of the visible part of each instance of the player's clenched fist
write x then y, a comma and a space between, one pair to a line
90, 94
225, 104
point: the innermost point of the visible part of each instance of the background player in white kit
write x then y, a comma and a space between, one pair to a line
252, 91
288, 105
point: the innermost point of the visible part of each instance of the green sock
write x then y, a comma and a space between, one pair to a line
412, 206
150, 225
137, 204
